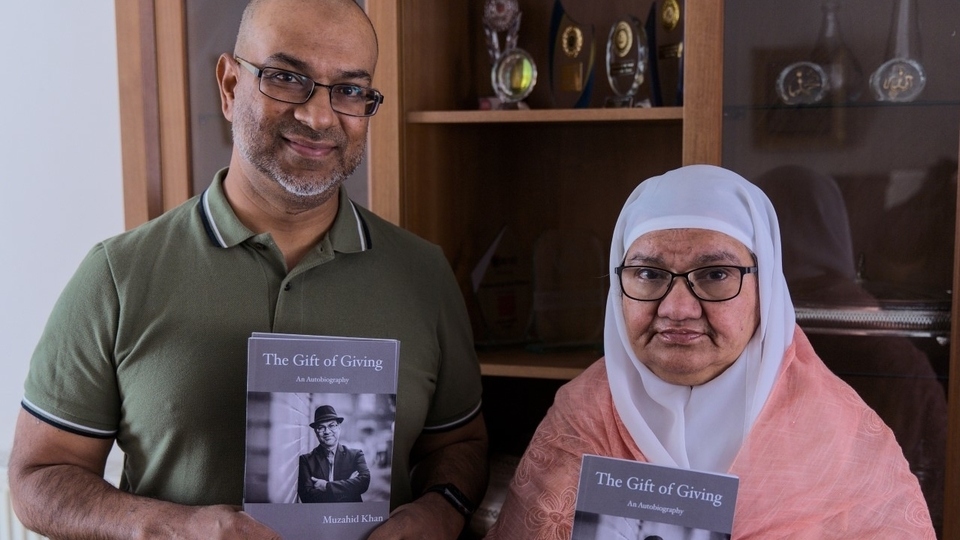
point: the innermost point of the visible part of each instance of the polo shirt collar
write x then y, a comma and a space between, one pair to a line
348, 234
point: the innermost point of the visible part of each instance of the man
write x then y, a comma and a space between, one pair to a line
705, 369
147, 344
331, 472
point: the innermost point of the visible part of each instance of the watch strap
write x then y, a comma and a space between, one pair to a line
455, 497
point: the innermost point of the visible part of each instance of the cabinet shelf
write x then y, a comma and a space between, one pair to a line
734, 109
518, 362
654, 114
906, 322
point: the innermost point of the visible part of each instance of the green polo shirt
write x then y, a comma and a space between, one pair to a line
148, 342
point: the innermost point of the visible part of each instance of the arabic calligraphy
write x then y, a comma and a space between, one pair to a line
802, 83
898, 80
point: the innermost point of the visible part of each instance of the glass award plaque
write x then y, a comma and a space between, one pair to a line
831, 73
502, 287
844, 76
513, 73
572, 52
626, 60
902, 77
665, 35
568, 297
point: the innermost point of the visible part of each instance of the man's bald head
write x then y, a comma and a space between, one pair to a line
297, 153
253, 7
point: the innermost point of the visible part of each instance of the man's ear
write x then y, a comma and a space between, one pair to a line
227, 81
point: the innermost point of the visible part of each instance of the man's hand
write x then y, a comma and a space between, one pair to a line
428, 518
458, 456
319, 483
224, 522
58, 490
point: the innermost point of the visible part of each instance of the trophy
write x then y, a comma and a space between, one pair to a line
898, 80
568, 299
665, 34
514, 73
902, 77
571, 60
802, 83
626, 61
832, 72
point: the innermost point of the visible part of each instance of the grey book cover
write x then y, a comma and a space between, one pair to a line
640, 500
320, 425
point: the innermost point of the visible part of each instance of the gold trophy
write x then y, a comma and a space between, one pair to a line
572, 52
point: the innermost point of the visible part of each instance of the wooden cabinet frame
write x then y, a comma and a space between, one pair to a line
155, 130
154, 107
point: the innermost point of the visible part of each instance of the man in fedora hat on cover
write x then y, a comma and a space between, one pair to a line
331, 472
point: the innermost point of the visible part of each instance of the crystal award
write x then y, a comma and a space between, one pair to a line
831, 74
902, 77
626, 60
664, 30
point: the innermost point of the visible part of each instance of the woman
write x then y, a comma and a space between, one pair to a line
705, 369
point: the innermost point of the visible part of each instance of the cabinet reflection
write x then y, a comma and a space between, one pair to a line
877, 335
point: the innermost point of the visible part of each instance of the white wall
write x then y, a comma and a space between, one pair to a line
60, 168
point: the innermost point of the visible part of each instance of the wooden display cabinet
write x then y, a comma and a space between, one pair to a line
456, 175
884, 327
463, 172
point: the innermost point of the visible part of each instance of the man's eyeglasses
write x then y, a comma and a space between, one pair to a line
329, 428
291, 87
709, 283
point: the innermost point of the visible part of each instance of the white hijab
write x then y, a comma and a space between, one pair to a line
701, 427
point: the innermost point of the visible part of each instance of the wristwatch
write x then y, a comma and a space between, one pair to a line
455, 497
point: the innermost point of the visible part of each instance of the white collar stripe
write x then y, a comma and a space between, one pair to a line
360, 227
213, 224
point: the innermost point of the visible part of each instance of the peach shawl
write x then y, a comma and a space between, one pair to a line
818, 463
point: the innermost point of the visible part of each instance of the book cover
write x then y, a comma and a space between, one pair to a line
320, 423
641, 500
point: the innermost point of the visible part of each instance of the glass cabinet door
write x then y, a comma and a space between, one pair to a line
847, 114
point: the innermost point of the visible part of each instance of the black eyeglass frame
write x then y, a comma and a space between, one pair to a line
376, 98
744, 270
327, 428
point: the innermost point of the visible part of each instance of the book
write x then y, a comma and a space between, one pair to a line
642, 500
307, 395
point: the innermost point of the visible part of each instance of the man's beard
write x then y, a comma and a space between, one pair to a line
249, 133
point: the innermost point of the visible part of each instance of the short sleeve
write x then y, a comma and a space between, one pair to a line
458, 391
72, 381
